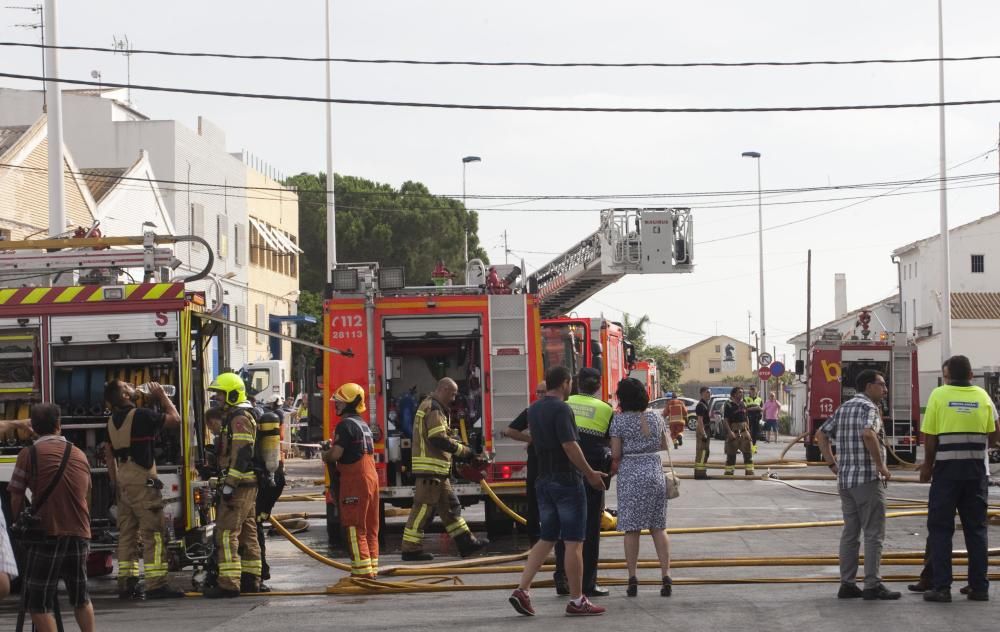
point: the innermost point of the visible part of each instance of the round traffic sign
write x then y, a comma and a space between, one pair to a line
777, 369
764, 373
764, 359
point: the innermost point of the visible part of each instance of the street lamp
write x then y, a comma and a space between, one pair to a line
465, 229
760, 245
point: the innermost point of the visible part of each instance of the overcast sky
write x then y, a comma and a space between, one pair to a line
554, 153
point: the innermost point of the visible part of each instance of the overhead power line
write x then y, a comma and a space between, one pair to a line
528, 64
511, 108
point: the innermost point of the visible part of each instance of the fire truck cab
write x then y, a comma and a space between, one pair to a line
647, 372
835, 364
576, 343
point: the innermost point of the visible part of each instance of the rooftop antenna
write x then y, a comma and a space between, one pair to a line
40, 25
124, 47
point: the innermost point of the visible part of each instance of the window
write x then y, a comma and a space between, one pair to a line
714, 366
718, 348
222, 236
255, 246
238, 231
978, 264
238, 317
261, 322
915, 269
4, 234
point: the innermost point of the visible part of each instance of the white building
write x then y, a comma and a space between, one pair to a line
201, 184
975, 296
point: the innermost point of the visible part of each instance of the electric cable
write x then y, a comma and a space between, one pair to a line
507, 107
531, 64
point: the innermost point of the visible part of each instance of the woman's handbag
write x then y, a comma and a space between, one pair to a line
673, 482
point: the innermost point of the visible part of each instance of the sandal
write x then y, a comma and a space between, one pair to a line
668, 586
633, 586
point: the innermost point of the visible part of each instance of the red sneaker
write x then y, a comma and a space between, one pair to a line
521, 602
585, 609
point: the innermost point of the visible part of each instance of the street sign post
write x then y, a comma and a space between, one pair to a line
764, 359
764, 373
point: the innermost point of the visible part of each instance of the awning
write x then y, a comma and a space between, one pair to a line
289, 244
269, 237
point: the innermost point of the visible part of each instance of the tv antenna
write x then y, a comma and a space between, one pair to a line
124, 47
40, 25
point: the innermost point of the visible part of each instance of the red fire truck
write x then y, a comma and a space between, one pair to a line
487, 335
647, 372
834, 364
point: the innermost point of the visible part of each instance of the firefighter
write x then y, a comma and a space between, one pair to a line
755, 412
703, 436
675, 414
353, 449
433, 449
593, 419
738, 437
235, 523
132, 432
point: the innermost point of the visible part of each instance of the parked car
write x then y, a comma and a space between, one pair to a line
715, 405
660, 403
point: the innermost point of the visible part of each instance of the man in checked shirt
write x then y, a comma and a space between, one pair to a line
861, 479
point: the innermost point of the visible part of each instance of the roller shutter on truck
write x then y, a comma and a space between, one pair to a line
145, 326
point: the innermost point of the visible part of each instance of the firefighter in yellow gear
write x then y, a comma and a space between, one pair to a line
132, 432
433, 449
235, 523
738, 436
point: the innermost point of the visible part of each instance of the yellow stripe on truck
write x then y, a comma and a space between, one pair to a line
69, 294
6, 294
157, 291
35, 295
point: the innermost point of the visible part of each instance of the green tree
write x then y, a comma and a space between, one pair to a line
406, 227
635, 331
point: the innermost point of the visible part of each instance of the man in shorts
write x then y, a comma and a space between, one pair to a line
562, 499
64, 516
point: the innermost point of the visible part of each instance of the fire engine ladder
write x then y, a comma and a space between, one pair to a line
643, 241
901, 396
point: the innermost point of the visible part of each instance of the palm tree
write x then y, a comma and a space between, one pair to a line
635, 332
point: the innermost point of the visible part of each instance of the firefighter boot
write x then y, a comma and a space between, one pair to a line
417, 556
218, 592
469, 544
130, 590
250, 583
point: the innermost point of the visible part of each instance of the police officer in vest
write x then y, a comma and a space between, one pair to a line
755, 412
132, 432
235, 523
958, 427
593, 420
433, 450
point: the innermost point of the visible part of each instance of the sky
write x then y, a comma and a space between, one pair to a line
537, 153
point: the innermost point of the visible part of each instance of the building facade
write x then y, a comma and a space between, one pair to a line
712, 360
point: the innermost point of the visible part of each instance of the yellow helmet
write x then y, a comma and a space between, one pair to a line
351, 393
232, 388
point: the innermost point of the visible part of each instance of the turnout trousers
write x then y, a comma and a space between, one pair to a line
741, 443
970, 499
432, 494
237, 550
701, 451
359, 514
140, 522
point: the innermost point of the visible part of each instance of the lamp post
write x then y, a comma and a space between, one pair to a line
465, 228
943, 186
760, 246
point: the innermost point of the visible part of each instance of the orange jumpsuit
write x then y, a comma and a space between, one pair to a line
359, 494
676, 415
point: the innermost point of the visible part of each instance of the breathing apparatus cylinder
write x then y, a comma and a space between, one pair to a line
269, 441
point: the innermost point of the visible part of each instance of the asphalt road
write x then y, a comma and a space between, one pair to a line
787, 606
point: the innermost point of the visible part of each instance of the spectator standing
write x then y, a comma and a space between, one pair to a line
703, 437
772, 409
754, 404
958, 427
8, 566
738, 437
562, 501
861, 479
593, 418
637, 437
518, 430
64, 516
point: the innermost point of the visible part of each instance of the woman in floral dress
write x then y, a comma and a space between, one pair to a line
637, 437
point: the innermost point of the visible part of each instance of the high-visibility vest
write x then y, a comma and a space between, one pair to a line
593, 415
962, 418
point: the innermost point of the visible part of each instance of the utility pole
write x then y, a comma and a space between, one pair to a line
943, 185
331, 213
57, 191
506, 250
40, 26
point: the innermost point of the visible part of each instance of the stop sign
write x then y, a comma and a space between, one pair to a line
764, 373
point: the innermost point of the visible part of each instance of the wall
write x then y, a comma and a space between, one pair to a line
271, 292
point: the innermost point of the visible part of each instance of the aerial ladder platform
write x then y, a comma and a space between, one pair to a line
629, 241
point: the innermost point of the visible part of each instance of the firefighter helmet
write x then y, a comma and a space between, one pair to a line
351, 393
232, 388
